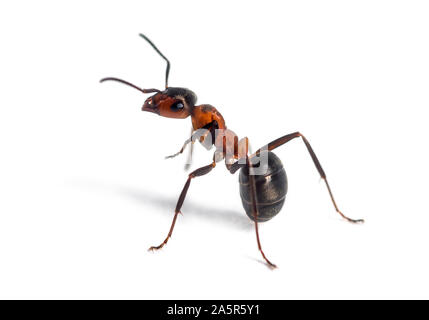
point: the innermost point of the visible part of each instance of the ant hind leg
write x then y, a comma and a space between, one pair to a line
282, 140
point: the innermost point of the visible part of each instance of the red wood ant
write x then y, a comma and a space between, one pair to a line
262, 195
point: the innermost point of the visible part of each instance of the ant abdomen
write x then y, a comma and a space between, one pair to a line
270, 187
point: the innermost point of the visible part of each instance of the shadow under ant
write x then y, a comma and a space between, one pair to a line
227, 217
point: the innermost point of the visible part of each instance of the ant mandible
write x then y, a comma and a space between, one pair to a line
262, 195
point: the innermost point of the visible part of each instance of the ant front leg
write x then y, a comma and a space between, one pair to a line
201, 134
197, 173
191, 150
183, 148
281, 141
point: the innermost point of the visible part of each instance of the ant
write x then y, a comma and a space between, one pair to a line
262, 195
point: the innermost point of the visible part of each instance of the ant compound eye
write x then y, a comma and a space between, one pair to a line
177, 106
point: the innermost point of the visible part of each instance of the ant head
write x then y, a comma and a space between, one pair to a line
173, 102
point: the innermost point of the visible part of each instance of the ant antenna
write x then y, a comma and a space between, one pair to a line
167, 71
130, 84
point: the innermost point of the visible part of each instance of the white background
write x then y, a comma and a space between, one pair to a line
85, 189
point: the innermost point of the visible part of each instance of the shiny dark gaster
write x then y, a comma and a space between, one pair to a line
271, 189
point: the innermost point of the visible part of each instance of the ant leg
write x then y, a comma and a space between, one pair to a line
189, 159
255, 214
199, 134
181, 150
197, 173
282, 140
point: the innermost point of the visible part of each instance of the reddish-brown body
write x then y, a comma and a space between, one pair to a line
227, 144
180, 103
204, 114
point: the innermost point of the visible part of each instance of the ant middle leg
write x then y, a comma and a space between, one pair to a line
197, 173
282, 140
255, 213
